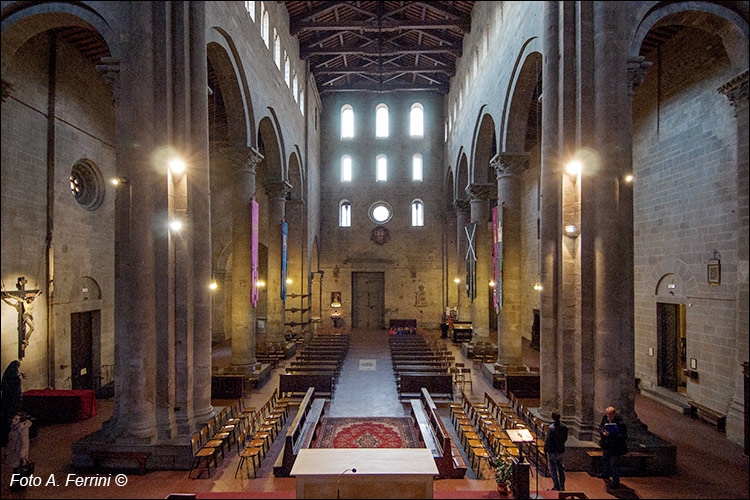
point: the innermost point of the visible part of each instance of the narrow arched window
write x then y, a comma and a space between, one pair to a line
382, 168
265, 25
417, 213
287, 71
250, 8
416, 120
302, 102
416, 167
295, 87
345, 214
381, 121
346, 168
347, 122
276, 48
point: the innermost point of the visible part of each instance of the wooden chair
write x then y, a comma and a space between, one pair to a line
201, 453
207, 442
245, 452
466, 379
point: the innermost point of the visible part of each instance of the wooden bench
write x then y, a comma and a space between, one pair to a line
713, 417
449, 462
140, 457
462, 331
294, 386
633, 463
522, 385
411, 384
300, 432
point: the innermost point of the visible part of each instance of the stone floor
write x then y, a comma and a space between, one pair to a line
709, 465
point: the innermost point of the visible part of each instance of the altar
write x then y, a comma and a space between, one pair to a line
364, 473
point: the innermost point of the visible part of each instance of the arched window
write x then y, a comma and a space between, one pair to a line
265, 25
295, 87
417, 213
345, 214
382, 168
475, 69
346, 168
347, 121
302, 102
276, 48
287, 71
250, 8
445, 138
416, 167
381, 121
416, 120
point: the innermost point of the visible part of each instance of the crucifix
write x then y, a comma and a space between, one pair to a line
23, 301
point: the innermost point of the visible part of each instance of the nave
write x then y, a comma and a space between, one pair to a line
704, 470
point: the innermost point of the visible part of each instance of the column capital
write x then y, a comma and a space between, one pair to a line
481, 191
109, 69
637, 67
462, 207
736, 90
278, 190
244, 157
507, 164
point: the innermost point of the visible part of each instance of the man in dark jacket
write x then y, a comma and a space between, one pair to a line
613, 443
554, 446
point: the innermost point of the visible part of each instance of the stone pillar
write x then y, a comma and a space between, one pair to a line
244, 160
463, 216
550, 217
736, 91
277, 193
508, 168
479, 196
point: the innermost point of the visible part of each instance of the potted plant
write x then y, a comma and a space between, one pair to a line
504, 473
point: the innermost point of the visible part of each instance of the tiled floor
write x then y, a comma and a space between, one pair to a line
717, 469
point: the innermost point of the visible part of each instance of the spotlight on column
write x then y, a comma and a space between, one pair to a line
260, 283
492, 284
213, 285
175, 225
571, 230
456, 280
629, 178
176, 165
574, 168
538, 287
289, 281
116, 181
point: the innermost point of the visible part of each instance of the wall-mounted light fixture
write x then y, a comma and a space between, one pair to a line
116, 181
573, 168
538, 286
213, 285
629, 178
571, 230
289, 281
456, 280
177, 166
175, 225
260, 283
492, 284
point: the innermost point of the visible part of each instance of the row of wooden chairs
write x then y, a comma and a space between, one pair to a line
256, 439
218, 433
463, 416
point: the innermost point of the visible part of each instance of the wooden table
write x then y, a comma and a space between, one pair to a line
50, 405
407, 472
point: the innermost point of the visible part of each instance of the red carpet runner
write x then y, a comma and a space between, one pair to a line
374, 432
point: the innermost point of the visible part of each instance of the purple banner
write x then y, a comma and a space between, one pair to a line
494, 257
284, 236
254, 217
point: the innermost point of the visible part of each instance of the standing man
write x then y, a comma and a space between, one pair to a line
554, 445
613, 442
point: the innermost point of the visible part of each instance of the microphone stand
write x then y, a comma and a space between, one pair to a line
338, 493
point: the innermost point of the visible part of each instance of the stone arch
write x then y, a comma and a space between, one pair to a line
24, 20
712, 17
673, 267
296, 176
484, 148
463, 177
449, 187
272, 166
85, 289
519, 98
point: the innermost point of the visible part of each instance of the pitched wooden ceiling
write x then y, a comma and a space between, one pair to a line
380, 46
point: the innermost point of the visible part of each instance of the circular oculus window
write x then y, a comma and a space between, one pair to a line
380, 212
86, 184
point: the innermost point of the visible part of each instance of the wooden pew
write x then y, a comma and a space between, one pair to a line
300, 432
633, 463
522, 385
410, 384
713, 417
450, 464
294, 386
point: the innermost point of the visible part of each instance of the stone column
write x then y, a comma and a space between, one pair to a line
244, 159
277, 193
463, 216
479, 199
736, 91
508, 168
550, 216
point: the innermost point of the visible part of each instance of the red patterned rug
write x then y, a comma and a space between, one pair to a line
374, 432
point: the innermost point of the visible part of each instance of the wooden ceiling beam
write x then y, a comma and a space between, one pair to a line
386, 71
386, 52
387, 25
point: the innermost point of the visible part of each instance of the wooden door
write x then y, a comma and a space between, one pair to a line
368, 300
82, 327
668, 330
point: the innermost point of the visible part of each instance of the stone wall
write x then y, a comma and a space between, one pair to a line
684, 159
412, 257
